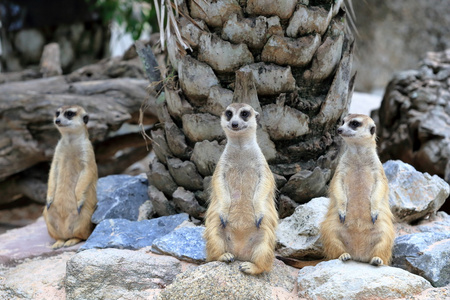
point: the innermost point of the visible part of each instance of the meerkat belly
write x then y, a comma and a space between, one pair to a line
359, 233
242, 230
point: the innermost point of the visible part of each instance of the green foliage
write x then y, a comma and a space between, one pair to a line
134, 15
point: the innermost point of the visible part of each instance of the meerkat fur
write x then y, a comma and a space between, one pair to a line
359, 222
241, 218
71, 194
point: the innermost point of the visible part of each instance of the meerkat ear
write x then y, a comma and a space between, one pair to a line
86, 119
372, 130
257, 116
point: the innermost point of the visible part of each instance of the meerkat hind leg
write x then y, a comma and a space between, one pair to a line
58, 244
345, 256
250, 268
71, 242
226, 257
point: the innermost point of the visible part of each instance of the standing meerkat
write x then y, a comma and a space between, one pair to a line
241, 218
71, 195
358, 224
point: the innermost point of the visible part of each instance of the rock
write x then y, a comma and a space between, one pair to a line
160, 146
118, 274
160, 177
266, 144
220, 281
307, 20
39, 278
271, 79
221, 55
196, 78
218, 100
146, 211
280, 8
185, 174
306, 184
214, 13
124, 234
206, 155
185, 243
249, 31
119, 197
412, 194
29, 43
283, 122
440, 222
199, 127
286, 206
30, 241
185, 201
352, 280
425, 254
298, 235
177, 106
191, 32
288, 51
414, 119
176, 140
161, 205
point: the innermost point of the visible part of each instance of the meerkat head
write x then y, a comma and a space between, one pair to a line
239, 119
70, 118
357, 129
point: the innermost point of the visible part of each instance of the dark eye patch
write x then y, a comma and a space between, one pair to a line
355, 124
245, 114
69, 114
57, 114
228, 114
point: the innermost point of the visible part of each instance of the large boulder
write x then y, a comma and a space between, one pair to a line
298, 234
412, 194
221, 281
118, 274
335, 279
426, 254
119, 197
124, 234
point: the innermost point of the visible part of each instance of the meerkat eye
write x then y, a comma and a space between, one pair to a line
245, 114
355, 124
57, 114
228, 114
69, 114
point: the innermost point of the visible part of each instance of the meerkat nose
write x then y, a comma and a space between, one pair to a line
57, 121
340, 130
234, 124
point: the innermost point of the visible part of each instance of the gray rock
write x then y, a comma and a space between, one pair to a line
176, 140
199, 127
266, 144
185, 201
160, 146
284, 122
218, 100
288, 51
161, 205
185, 174
271, 79
119, 197
29, 43
282, 9
146, 211
308, 20
160, 177
191, 32
298, 235
412, 194
221, 55
221, 281
306, 184
250, 31
176, 105
286, 206
425, 254
205, 156
352, 280
185, 243
124, 234
118, 274
196, 78
213, 12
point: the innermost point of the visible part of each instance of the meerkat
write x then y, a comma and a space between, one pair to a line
71, 195
241, 218
359, 222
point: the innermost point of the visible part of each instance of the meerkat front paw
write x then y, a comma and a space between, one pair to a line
341, 216
258, 220
223, 220
374, 215
376, 261
49, 202
226, 257
345, 256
